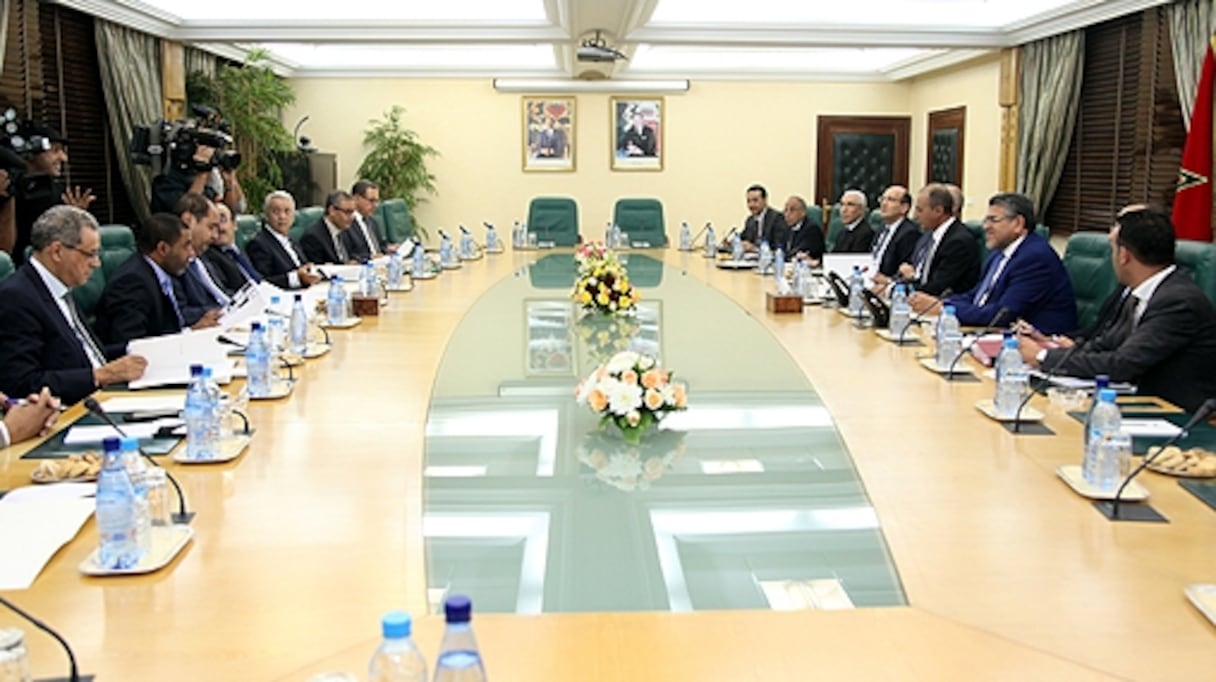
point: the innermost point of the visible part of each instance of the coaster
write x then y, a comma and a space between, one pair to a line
344, 324
988, 409
1071, 474
230, 448
167, 542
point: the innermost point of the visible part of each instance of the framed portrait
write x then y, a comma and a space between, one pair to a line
637, 140
548, 135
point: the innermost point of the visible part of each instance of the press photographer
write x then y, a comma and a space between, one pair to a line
32, 160
193, 155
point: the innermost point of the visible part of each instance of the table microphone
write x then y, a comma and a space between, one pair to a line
724, 246
946, 293
182, 516
73, 674
693, 241
1202, 414
992, 324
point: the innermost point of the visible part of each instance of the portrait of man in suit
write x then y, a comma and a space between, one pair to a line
549, 134
638, 144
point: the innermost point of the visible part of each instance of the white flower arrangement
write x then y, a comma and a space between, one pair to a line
633, 392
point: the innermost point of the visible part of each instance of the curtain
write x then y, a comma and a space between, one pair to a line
201, 61
3, 31
1049, 92
1191, 25
129, 62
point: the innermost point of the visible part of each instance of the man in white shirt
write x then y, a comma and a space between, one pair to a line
274, 253
24, 419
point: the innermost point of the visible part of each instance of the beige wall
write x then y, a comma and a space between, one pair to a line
714, 146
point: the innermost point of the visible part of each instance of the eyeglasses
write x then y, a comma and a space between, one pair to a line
89, 255
347, 211
994, 219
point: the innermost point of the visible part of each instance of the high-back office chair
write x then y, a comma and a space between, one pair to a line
117, 245
305, 217
394, 216
1087, 260
642, 220
1198, 259
247, 227
976, 228
554, 219
6, 266
834, 227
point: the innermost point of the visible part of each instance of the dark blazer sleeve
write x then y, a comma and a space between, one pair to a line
316, 245
956, 265
33, 350
125, 311
901, 249
194, 299
777, 231
1027, 282
808, 239
751, 228
377, 233
263, 260
229, 275
355, 243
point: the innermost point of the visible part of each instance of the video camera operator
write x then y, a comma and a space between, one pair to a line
194, 156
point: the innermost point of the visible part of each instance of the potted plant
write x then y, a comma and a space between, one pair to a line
396, 161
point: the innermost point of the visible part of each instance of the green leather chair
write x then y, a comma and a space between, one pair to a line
834, 225
6, 266
247, 227
554, 220
117, 245
814, 213
976, 228
305, 217
1043, 231
394, 216
1087, 260
876, 220
1198, 259
642, 220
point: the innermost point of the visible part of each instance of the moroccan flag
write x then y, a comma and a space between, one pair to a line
1193, 199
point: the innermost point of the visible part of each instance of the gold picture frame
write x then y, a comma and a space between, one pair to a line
548, 135
637, 140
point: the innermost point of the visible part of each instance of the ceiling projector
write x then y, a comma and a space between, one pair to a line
596, 49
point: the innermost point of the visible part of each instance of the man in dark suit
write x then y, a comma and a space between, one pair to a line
763, 225
857, 235
230, 267
1023, 278
947, 256
44, 341
142, 296
638, 139
202, 297
323, 242
1163, 338
273, 253
805, 234
896, 242
365, 238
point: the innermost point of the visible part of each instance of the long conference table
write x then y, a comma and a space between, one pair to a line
377, 484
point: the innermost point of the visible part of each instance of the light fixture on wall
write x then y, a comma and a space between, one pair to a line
542, 85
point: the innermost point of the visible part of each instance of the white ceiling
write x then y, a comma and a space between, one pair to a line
860, 40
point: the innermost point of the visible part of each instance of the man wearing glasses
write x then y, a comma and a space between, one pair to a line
365, 239
1023, 275
324, 242
857, 235
44, 341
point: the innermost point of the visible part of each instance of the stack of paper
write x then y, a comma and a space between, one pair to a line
34, 523
169, 357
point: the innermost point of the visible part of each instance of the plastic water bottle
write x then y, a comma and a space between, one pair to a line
117, 521
419, 264
299, 326
685, 237
200, 434
1100, 382
215, 398
736, 247
459, 658
779, 266
901, 312
257, 362
335, 302
855, 285
396, 270
466, 243
397, 659
766, 257
711, 244
1109, 452
137, 473
276, 332
492, 239
516, 236
1012, 380
445, 248
949, 337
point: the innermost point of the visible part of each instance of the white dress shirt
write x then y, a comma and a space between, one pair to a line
1145, 291
938, 233
293, 277
58, 291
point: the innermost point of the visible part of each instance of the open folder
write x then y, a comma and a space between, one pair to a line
169, 357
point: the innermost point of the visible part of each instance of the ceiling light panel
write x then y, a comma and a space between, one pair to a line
449, 11
417, 57
939, 14
707, 60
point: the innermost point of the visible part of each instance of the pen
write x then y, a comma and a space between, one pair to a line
10, 403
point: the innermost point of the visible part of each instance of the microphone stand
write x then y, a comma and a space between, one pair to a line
949, 375
182, 516
920, 320
692, 243
73, 674
1143, 512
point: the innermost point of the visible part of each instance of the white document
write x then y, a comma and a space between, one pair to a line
169, 357
842, 264
1086, 384
32, 531
1150, 427
247, 305
95, 433
348, 273
141, 403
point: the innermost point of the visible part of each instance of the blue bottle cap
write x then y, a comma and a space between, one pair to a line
457, 609
274, 300
338, 279
196, 370
256, 326
111, 444
949, 310
1106, 395
1011, 342
206, 372
396, 625
130, 443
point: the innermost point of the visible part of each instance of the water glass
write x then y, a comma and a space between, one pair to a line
14, 662
533, 240
158, 497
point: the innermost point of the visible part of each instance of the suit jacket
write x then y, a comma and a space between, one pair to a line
1171, 353
226, 271
857, 240
356, 244
955, 264
772, 229
37, 345
318, 246
901, 246
133, 306
1033, 286
271, 260
194, 299
806, 237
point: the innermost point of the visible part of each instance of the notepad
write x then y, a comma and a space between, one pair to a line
85, 435
1153, 428
33, 530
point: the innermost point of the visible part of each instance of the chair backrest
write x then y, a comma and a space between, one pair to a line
88, 294
117, 236
394, 217
247, 227
976, 228
1087, 260
6, 266
554, 219
642, 220
1043, 231
876, 221
305, 217
835, 226
1198, 259
815, 213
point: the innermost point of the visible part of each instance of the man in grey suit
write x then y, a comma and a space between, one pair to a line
365, 239
1162, 337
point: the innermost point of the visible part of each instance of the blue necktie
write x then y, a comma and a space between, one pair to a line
240, 259
985, 288
166, 288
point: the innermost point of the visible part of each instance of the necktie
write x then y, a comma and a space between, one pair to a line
921, 258
246, 266
96, 357
985, 288
166, 288
200, 271
367, 237
339, 248
879, 240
